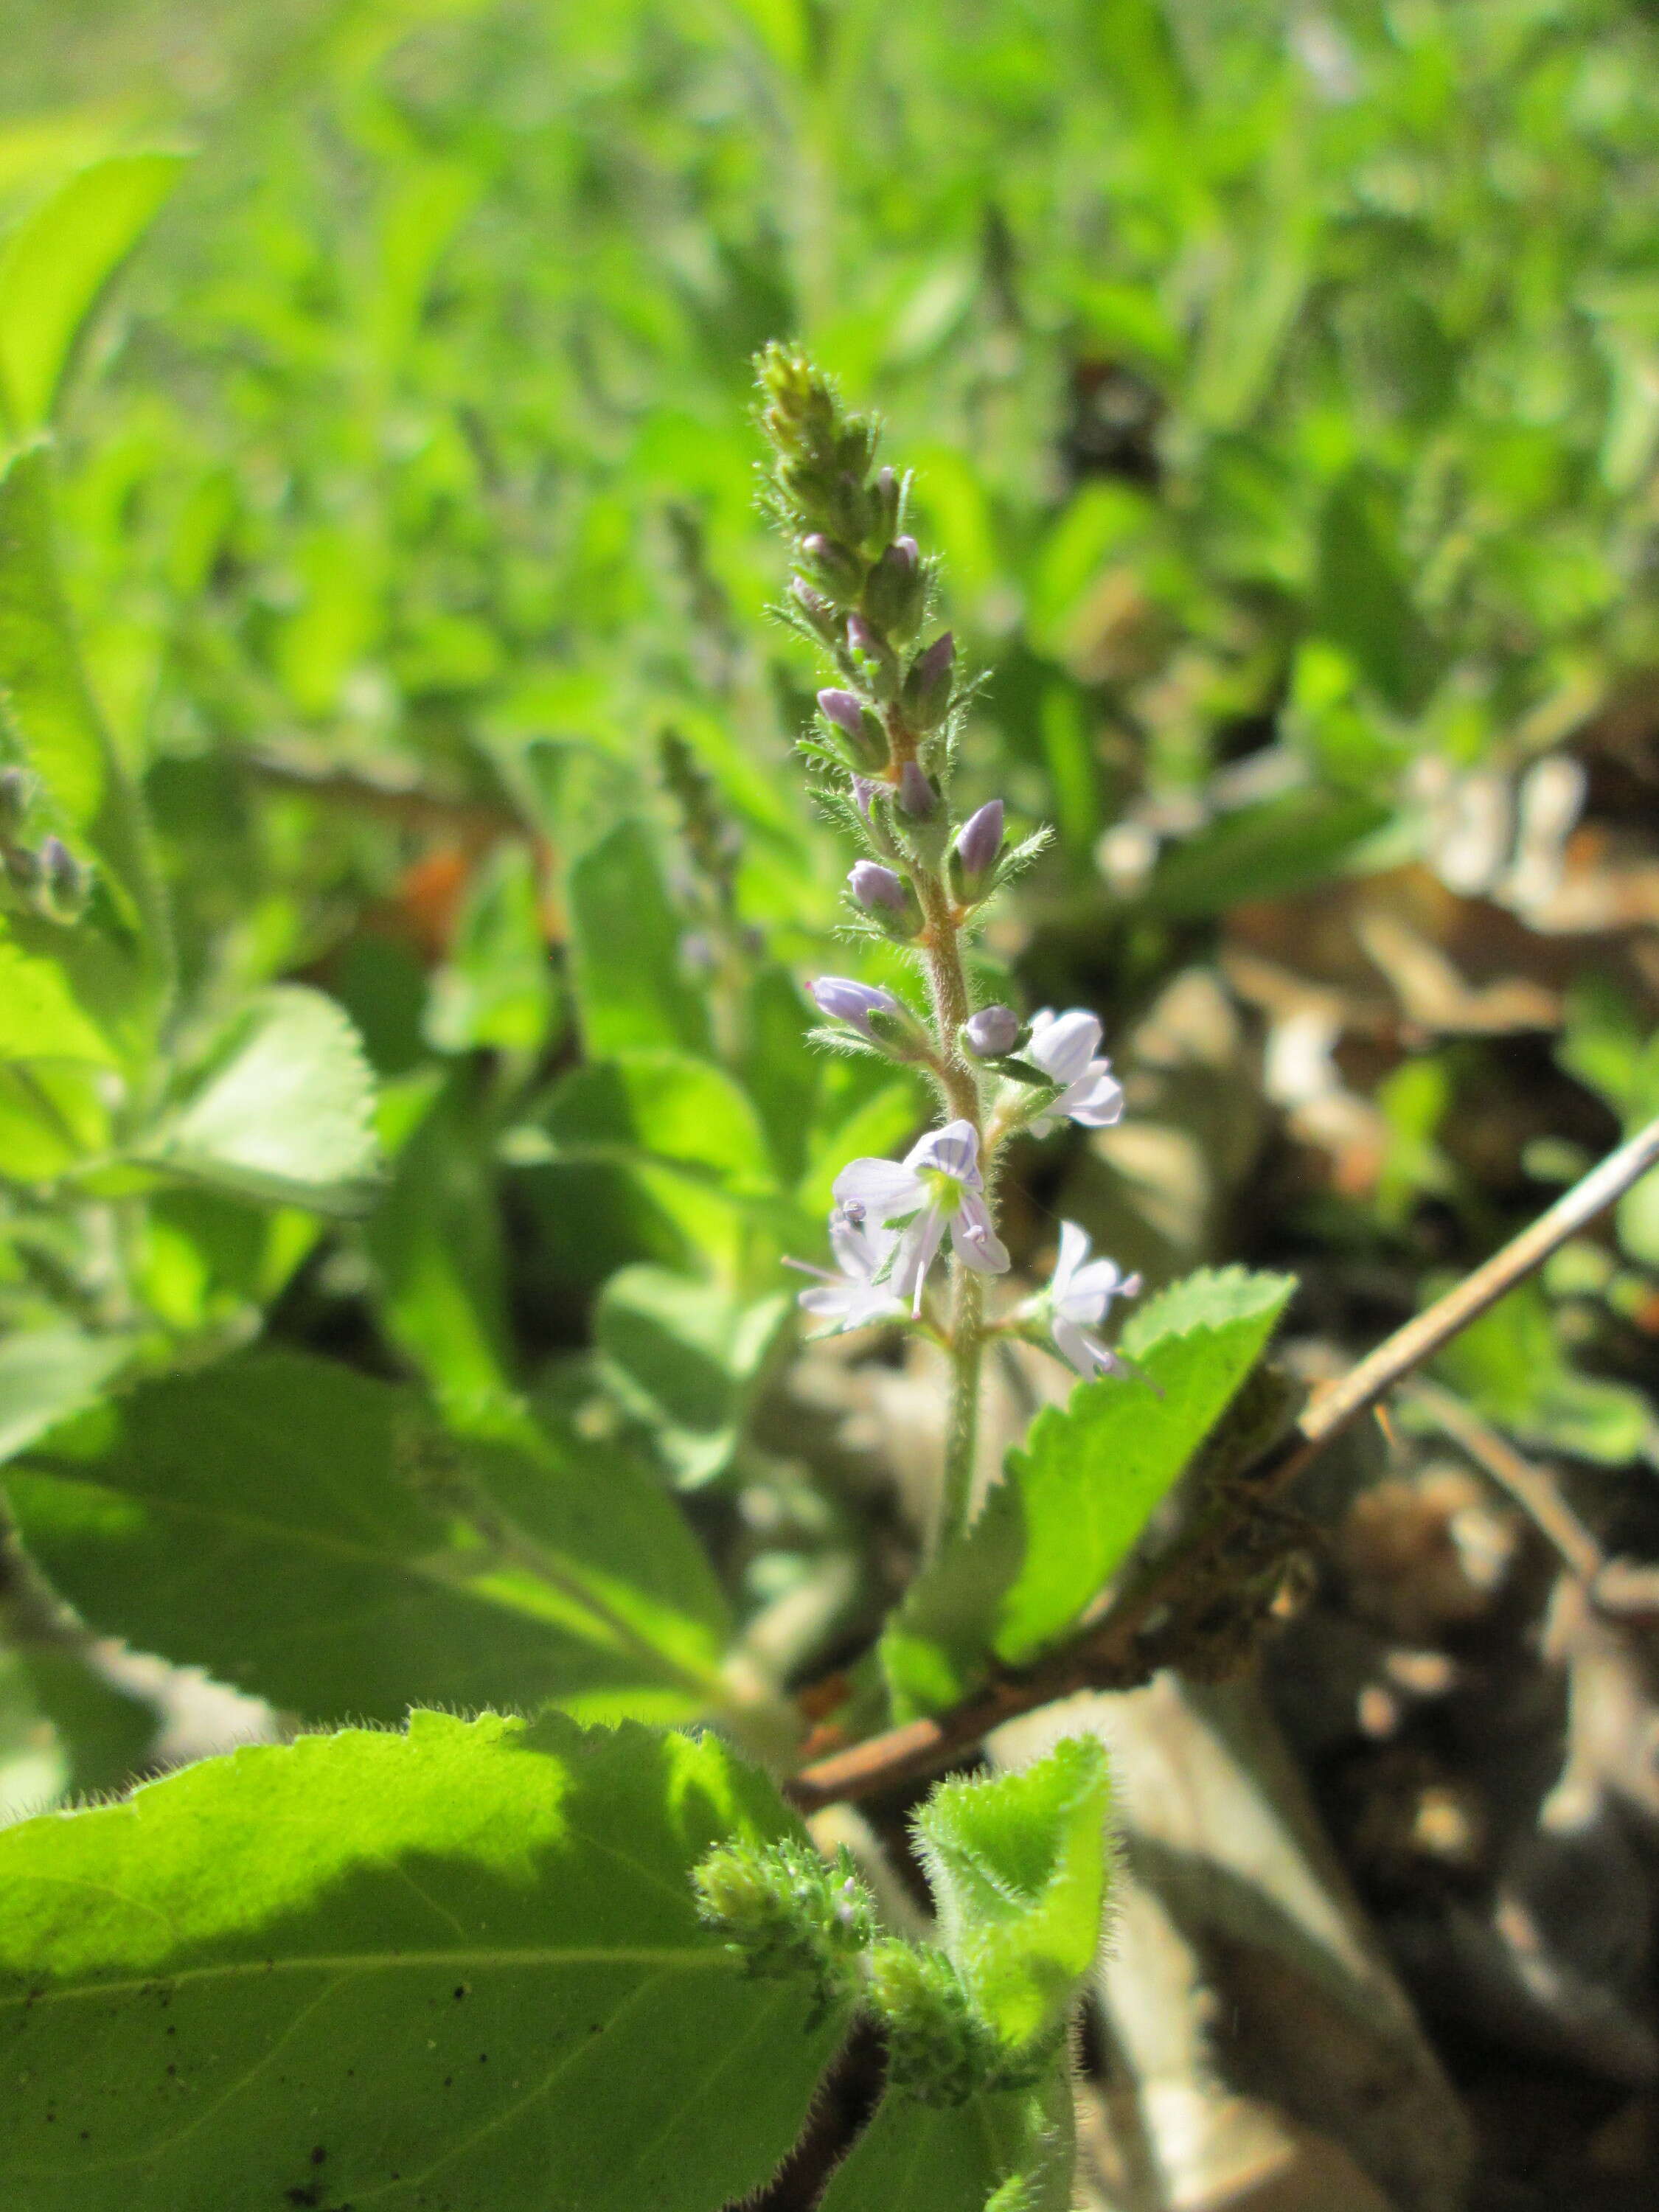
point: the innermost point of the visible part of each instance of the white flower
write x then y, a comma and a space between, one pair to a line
853, 1299
1077, 1298
936, 1186
1063, 1047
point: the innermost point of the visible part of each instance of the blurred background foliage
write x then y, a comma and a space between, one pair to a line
1283, 389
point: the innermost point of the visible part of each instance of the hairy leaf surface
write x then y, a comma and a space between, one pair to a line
311, 1536
450, 1971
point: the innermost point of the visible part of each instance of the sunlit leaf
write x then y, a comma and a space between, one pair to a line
460, 1967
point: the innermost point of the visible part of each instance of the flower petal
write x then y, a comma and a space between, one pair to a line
952, 1151
1095, 1101
1062, 1045
1073, 1251
878, 1189
916, 1247
973, 1239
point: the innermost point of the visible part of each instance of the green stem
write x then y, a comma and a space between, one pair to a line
956, 1499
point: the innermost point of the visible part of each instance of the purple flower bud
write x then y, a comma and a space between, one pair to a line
861, 638
909, 552
927, 687
991, 1031
917, 795
864, 792
872, 886
843, 1001
845, 709
979, 841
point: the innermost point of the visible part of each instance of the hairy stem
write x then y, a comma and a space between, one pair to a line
948, 987
962, 1437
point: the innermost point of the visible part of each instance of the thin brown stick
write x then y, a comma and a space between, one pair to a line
1104, 1655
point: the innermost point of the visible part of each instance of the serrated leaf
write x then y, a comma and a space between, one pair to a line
56, 263
1076, 1495
285, 1114
1017, 1867
312, 1537
449, 1971
625, 951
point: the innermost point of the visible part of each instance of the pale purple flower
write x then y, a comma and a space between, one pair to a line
853, 1297
843, 1001
1063, 1047
937, 1186
1077, 1299
861, 638
908, 550
872, 886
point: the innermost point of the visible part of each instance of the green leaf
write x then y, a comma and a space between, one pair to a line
54, 266
435, 1238
450, 1971
625, 951
284, 1113
661, 1109
1019, 1870
46, 1375
685, 1356
1076, 1498
312, 1537
954, 2158
1511, 1364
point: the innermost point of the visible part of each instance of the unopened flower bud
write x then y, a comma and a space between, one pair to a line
978, 849
886, 898
886, 496
64, 882
864, 792
917, 795
838, 574
872, 886
817, 609
874, 1013
991, 1031
895, 590
863, 740
926, 693
844, 1000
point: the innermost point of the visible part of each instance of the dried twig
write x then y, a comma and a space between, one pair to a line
1104, 1655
